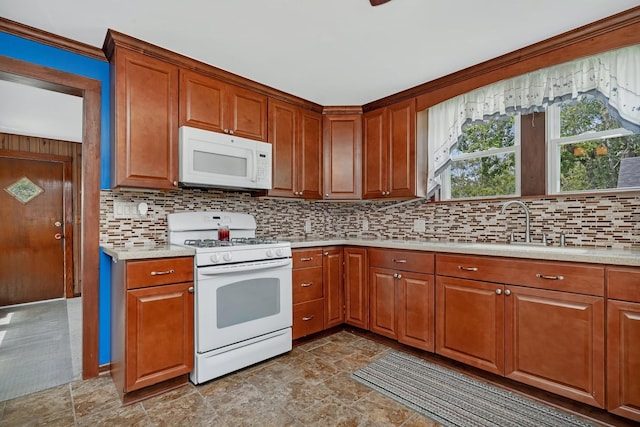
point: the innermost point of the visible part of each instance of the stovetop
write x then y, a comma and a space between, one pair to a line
241, 241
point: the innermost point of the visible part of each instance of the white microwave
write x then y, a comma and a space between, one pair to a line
212, 159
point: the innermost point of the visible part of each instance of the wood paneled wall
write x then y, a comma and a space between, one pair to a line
32, 144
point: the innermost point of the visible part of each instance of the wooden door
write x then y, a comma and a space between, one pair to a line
247, 113
356, 287
201, 101
36, 231
342, 145
416, 310
282, 136
623, 358
402, 149
375, 154
332, 269
382, 302
145, 150
309, 157
159, 334
470, 322
555, 341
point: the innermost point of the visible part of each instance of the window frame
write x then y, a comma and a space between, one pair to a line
554, 143
516, 149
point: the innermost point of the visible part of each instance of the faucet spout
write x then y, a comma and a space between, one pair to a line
527, 234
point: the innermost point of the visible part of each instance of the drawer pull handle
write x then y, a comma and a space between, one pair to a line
542, 276
400, 261
306, 285
307, 259
306, 319
160, 273
462, 267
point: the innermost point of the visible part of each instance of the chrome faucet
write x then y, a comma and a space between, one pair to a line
527, 231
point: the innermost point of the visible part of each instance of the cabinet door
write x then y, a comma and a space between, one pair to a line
470, 322
382, 302
342, 145
623, 359
145, 150
201, 101
282, 136
309, 156
356, 287
159, 334
375, 154
555, 341
416, 302
247, 113
402, 149
334, 291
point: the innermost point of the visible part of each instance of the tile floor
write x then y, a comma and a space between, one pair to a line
310, 386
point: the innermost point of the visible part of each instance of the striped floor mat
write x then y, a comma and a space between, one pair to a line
454, 399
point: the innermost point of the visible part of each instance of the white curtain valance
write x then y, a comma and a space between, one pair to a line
612, 76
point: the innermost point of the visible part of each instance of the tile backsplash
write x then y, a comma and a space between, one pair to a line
594, 221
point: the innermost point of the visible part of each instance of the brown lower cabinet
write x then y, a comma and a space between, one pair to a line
401, 296
623, 342
551, 339
356, 287
318, 295
152, 322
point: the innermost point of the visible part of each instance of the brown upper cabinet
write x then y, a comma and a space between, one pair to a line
390, 159
342, 146
145, 120
211, 104
296, 136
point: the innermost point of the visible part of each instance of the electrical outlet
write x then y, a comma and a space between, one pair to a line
419, 225
130, 210
365, 225
307, 226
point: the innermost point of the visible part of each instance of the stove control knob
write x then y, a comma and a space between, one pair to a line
269, 253
227, 256
278, 252
215, 258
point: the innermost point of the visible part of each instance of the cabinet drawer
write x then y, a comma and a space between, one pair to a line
303, 258
307, 284
560, 276
159, 271
416, 261
308, 318
623, 283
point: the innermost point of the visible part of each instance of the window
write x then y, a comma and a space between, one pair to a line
589, 149
486, 160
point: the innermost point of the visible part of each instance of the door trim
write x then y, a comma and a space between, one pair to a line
89, 89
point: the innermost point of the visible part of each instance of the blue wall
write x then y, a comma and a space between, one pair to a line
47, 56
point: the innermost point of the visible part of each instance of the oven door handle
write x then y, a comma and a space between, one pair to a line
246, 266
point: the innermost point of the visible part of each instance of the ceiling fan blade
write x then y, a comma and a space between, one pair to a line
378, 2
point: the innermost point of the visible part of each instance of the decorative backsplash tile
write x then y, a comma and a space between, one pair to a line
594, 221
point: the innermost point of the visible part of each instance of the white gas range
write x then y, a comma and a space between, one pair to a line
243, 297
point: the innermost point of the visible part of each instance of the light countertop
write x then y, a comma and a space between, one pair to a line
120, 253
629, 257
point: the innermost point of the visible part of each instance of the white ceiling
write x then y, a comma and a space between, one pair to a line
332, 52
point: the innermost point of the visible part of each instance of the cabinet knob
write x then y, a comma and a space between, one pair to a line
507, 292
175, 183
499, 291
231, 132
191, 290
326, 194
226, 131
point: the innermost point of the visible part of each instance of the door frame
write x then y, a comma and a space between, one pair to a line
89, 89
67, 208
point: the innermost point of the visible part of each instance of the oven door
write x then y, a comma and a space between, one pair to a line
242, 301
